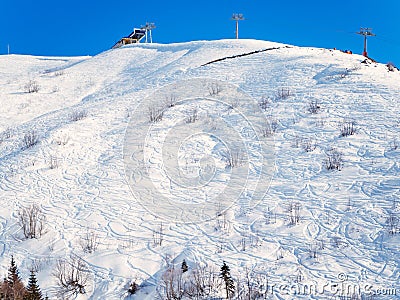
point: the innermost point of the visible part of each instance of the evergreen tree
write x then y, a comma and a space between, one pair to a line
184, 266
3, 289
15, 289
33, 290
13, 273
228, 281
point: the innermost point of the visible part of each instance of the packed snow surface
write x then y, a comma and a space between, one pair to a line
343, 225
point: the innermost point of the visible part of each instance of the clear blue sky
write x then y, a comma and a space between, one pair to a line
84, 27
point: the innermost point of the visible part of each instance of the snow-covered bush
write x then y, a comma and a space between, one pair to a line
214, 89
89, 242
202, 282
158, 236
283, 93
32, 221
59, 73
393, 144
265, 103
334, 160
30, 139
72, 276
269, 128
314, 107
234, 158
308, 145
293, 213
193, 117
61, 139
32, 87
347, 127
77, 115
53, 162
393, 223
172, 284
6, 134
155, 114
170, 101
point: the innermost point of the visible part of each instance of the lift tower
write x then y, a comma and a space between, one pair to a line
148, 27
365, 32
237, 18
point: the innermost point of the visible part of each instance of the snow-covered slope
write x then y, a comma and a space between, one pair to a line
76, 172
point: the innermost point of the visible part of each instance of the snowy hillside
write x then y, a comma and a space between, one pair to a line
234, 169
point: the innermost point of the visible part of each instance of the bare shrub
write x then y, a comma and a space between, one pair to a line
320, 122
338, 242
221, 220
211, 122
392, 223
32, 221
89, 242
269, 128
32, 87
170, 101
193, 117
270, 217
39, 264
279, 253
293, 213
62, 139
283, 93
314, 107
6, 134
77, 115
313, 250
308, 145
173, 287
347, 127
203, 283
72, 276
334, 160
296, 143
234, 158
251, 285
59, 73
234, 103
53, 162
55, 89
30, 139
155, 114
265, 103
344, 73
158, 236
393, 144
214, 89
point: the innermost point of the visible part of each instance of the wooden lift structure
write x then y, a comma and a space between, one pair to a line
134, 38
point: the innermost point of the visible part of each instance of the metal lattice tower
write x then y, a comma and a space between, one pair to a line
365, 32
237, 18
148, 27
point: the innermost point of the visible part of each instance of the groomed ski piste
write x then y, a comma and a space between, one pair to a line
313, 228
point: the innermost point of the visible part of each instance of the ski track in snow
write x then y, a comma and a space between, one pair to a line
88, 190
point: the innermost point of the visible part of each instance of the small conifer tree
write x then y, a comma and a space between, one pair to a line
184, 266
228, 281
14, 288
33, 290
